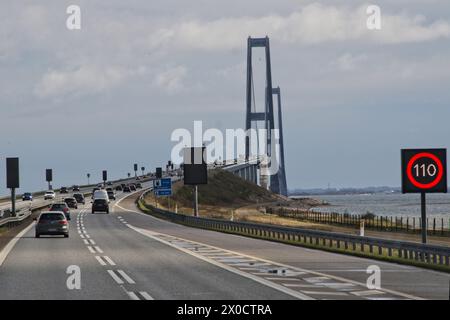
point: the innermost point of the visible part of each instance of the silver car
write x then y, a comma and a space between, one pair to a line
52, 223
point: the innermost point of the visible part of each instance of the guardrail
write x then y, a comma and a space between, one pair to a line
401, 250
24, 213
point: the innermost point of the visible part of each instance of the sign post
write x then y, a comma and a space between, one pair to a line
424, 171
195, 170
12, 180
49, 177
135, 167
105, 177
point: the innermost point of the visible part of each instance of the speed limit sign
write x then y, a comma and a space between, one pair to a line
424, 170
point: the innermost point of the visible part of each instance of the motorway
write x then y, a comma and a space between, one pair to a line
130, 255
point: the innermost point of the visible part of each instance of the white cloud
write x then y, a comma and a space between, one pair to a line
171, 80
86, 79
314, 24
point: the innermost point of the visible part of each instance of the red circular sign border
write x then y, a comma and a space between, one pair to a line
425, 185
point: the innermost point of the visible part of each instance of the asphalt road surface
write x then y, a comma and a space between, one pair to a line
130, 255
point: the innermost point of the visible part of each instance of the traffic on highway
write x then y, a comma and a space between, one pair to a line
212, 159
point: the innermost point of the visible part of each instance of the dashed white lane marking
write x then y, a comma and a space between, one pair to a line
82, 237
100, 260
91, 241
126, 277
98, 249
109, 260
91, 249
86, 242
279, 278
325, 293
87, 236
133, 295
366, 293
146, 295
115, 277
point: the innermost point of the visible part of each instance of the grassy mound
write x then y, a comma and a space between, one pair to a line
223, 189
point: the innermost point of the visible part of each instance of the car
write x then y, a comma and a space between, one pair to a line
52, 223
49, 195
119, 188
27, 196
63, 190
109, 183
79, 197
71, 202
111, 195
61, 206
132, 187
126, 189
109, 189
137, 178
75, 189
100, 205
100, 194
138, 186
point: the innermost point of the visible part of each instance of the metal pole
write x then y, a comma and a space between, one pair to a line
423, 215
13, 202
196, 201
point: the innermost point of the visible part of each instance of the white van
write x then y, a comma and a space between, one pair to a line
100, 194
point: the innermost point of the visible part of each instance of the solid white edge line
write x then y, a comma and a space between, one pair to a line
7, 249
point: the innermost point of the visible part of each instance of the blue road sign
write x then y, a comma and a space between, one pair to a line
163, 187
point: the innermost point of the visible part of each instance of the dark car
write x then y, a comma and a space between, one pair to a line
76, 188
71, 202
63, 190
79, 197
119, 188
52, 223
138, 186
109, 183
126, 189
132, 187
27, 196
111, 195
100, 205
109, 189
61, 206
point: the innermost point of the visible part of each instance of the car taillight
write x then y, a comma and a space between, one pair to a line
65, 210
64, 222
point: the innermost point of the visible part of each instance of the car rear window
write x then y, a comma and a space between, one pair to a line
100, 201
52, 217
57, 206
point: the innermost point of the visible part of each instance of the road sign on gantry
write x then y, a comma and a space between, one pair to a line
424, 171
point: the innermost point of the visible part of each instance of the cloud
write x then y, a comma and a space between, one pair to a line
87, 79
314, 24
171, 80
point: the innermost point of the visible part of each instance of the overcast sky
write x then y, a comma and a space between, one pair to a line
111, 94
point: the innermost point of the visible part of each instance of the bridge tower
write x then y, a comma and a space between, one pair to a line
281, 174
268, 180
